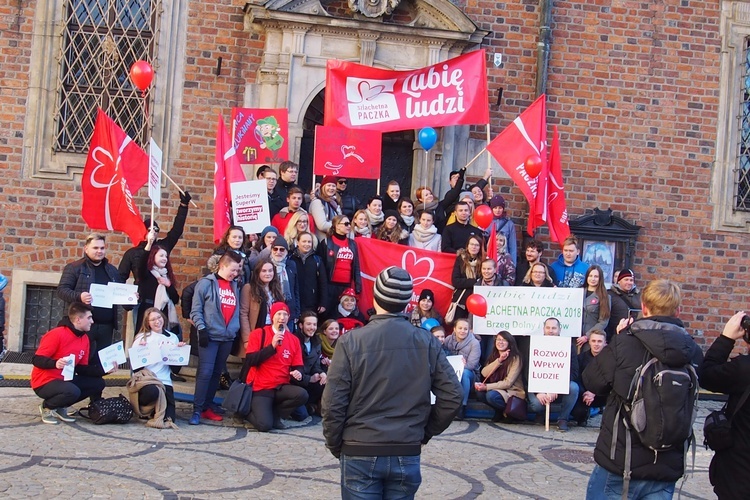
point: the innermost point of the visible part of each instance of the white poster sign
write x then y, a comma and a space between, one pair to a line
250, 205
144, 355
112, 293
522, 310
101, 296
457, 363
154, 173
173, 355
69, 370
549, 364
112, 356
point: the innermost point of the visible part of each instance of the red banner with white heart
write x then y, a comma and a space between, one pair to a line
453, 92
344, 152
428, 270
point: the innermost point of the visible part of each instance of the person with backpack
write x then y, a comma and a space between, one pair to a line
719, 373
628, 457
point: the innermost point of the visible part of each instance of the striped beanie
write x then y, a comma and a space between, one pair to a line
393, 289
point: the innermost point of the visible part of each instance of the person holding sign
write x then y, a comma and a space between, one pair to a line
51, 359
154, 395
463, 342
502, 375
75, 285
537, 402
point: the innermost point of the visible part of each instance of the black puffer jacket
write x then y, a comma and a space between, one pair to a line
611, 372
728, 470
620, 305
377, 398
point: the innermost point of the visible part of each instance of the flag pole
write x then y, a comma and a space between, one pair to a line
489, 157
476, 157
175, 185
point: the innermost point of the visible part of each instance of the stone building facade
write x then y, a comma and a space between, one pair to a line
649, 98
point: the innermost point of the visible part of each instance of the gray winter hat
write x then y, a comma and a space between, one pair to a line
393, 289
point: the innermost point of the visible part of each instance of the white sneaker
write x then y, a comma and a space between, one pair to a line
47, 415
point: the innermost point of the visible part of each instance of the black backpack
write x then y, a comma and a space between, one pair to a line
660, 409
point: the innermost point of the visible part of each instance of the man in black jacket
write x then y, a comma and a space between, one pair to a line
457, 234
75, 285
376, 403
610, 373
718, 373
626, 301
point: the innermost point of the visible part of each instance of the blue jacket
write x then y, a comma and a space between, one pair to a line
206, 311
569, 276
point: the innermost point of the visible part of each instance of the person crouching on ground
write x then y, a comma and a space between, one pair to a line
274, 357
52, 356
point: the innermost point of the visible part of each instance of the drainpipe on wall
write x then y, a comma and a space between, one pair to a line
543, 45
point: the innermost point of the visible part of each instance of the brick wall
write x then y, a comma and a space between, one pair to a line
633, 87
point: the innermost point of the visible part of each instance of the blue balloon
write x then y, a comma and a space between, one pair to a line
430, 323
427, 138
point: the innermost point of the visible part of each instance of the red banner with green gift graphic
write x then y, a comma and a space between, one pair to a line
260, 135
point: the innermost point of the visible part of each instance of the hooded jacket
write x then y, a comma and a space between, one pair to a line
206, 311
377, 398
570, 276
611, 372
622, 303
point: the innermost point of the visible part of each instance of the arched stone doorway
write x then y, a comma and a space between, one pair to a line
397, 156
300, 36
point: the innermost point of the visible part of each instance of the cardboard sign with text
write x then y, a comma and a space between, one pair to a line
154, 173
250, 205
549, 365
521, 310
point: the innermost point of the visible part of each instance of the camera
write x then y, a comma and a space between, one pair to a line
745, 324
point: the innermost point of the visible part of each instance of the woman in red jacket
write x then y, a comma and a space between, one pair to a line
274, 355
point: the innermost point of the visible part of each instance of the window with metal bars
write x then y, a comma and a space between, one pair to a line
742, 179
101, 39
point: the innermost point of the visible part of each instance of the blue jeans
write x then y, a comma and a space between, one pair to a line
467, 380
379, 477
212, 361
493, 399
568, 401
605, 485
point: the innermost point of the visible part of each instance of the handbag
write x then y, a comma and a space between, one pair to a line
717, 428
450, 314
117, 410
515, 408
239, 398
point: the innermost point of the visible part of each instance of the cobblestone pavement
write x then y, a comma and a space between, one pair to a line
472, 459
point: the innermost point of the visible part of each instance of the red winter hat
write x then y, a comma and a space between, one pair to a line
278, 306
329, 179
348, 292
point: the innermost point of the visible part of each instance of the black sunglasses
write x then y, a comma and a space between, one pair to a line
346, 223
343, 181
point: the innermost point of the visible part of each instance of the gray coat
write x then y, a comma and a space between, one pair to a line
206, 311
377, 398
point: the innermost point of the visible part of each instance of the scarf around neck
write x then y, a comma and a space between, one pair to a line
423, 235
375, 220
161, 298
364, 232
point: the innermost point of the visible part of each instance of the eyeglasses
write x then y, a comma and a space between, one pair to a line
279, 249
271, 179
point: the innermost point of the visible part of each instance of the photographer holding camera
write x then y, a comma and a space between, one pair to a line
728, 470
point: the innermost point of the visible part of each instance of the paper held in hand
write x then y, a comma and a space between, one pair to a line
174, 355
112, 356
69, 369
111, 294
144, 355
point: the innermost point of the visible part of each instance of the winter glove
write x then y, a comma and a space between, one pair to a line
185, 198
203, 338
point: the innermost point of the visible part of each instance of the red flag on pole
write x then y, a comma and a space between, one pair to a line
107, 200
492, 243
526, 136
227, 170
557, 218
539, 215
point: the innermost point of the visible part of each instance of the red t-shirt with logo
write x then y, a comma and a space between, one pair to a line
58, 343
342, 264
228, 299
273, 372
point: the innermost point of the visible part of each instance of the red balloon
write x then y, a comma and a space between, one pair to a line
533, 165
142, 74
483, 216
477, 305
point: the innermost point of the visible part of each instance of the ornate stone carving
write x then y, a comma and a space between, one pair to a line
373, 8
